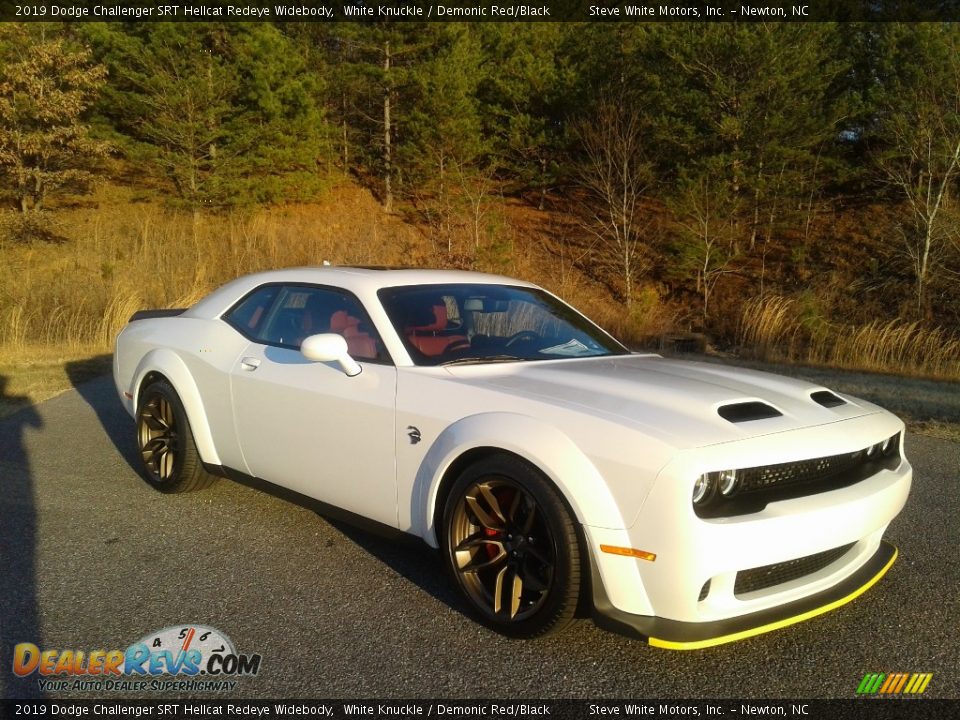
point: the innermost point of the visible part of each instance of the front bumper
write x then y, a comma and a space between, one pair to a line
678, 635
707, 580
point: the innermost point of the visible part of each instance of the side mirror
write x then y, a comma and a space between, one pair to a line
330, 347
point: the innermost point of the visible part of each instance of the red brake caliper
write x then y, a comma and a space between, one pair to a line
505, 498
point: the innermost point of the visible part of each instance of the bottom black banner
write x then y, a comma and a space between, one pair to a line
868, 709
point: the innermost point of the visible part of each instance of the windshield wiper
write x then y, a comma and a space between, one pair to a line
479, 360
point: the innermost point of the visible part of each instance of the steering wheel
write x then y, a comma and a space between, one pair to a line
456, 345
522, 335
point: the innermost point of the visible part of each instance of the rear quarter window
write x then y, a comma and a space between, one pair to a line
249, 314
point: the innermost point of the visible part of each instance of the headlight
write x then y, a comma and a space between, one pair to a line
728, 482
703, 488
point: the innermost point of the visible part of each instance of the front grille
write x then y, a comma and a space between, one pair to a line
758, 486
760, 478
761, 578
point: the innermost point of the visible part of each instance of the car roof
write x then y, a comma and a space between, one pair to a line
363, 281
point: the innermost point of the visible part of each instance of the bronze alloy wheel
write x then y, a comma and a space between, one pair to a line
512, 548
165, 442
158, 437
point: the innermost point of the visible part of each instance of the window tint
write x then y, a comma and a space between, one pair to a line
472, 323
248, 317
301, 311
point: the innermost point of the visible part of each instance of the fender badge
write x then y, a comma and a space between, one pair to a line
414, 434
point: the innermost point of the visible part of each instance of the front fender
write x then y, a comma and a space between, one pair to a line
544, 446
170, 365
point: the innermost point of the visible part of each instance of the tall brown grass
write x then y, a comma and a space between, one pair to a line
122, 256
770, 328
122, 253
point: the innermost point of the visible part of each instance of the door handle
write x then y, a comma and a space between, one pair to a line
249, 364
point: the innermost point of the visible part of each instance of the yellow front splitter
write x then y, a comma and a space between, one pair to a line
676, 635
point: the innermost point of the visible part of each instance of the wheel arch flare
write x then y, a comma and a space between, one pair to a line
545, 448
166, 363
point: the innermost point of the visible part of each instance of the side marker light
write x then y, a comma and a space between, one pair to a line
629, 552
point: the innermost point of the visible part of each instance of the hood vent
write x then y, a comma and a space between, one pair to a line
746, 411
827, 399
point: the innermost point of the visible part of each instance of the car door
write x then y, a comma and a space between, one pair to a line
306, 425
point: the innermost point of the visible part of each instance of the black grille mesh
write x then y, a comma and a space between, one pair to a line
760, 578
760, 478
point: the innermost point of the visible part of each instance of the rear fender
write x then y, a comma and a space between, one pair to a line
171, 366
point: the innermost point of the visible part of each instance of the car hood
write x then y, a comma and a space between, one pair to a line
676, 401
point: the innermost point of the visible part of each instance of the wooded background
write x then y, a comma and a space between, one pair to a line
787, 188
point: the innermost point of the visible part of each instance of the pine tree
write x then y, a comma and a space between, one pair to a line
226, 112
523, 96
758, 99
46, 86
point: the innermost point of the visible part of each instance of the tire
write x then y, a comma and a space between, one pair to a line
165, 443
511, 546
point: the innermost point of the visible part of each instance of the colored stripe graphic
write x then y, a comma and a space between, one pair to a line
894, 683
922, 684
870, 683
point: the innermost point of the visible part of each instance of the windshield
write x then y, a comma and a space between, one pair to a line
450, 324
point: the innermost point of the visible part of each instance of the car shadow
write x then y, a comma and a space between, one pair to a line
19, 604
97, 389
403, 553
409, 557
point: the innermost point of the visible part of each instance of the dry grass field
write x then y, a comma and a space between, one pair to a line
37, 372
771, 329
121, 250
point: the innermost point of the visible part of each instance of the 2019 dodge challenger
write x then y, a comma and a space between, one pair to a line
685, 503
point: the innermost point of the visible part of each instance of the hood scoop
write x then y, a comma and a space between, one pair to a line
827, 399
747, 411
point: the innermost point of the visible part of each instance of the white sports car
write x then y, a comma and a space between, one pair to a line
689, 504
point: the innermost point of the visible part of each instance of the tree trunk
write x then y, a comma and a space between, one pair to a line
387, 149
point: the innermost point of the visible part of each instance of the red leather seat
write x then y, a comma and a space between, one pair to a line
431, 339
359, 344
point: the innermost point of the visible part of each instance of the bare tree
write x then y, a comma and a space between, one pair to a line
387, 129
616, 175
924, 166
924, 172
478, 186
706, 224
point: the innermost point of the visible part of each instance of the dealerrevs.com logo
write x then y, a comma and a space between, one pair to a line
184, 658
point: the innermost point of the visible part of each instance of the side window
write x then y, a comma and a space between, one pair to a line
249, 316
301, 311
288, 321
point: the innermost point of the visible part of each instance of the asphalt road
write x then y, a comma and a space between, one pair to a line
92, 558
